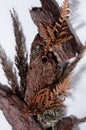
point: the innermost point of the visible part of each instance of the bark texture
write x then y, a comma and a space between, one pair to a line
50, 52
13, 109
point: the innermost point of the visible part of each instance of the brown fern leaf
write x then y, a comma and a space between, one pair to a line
55, 28
47, 33
62, 40
43, 100
62, 88
51, 33
46, 99
44, 34
62, 47
64, 11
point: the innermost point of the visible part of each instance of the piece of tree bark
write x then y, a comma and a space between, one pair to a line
43, 70
48, 15
13, 109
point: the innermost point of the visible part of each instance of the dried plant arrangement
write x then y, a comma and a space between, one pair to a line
36, 101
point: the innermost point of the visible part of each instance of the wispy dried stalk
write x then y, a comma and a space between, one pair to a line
21, 53
9, 71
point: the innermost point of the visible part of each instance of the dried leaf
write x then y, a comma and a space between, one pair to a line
44, 34
51, 33
64, 11
63, 87
62, 40
60, 29
46, 99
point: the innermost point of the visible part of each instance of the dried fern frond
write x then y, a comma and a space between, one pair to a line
46, 99
51, 33
48, 33
61, 88
21, 53
62, 40
44, 34
9, 71
64, 11
41, 102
